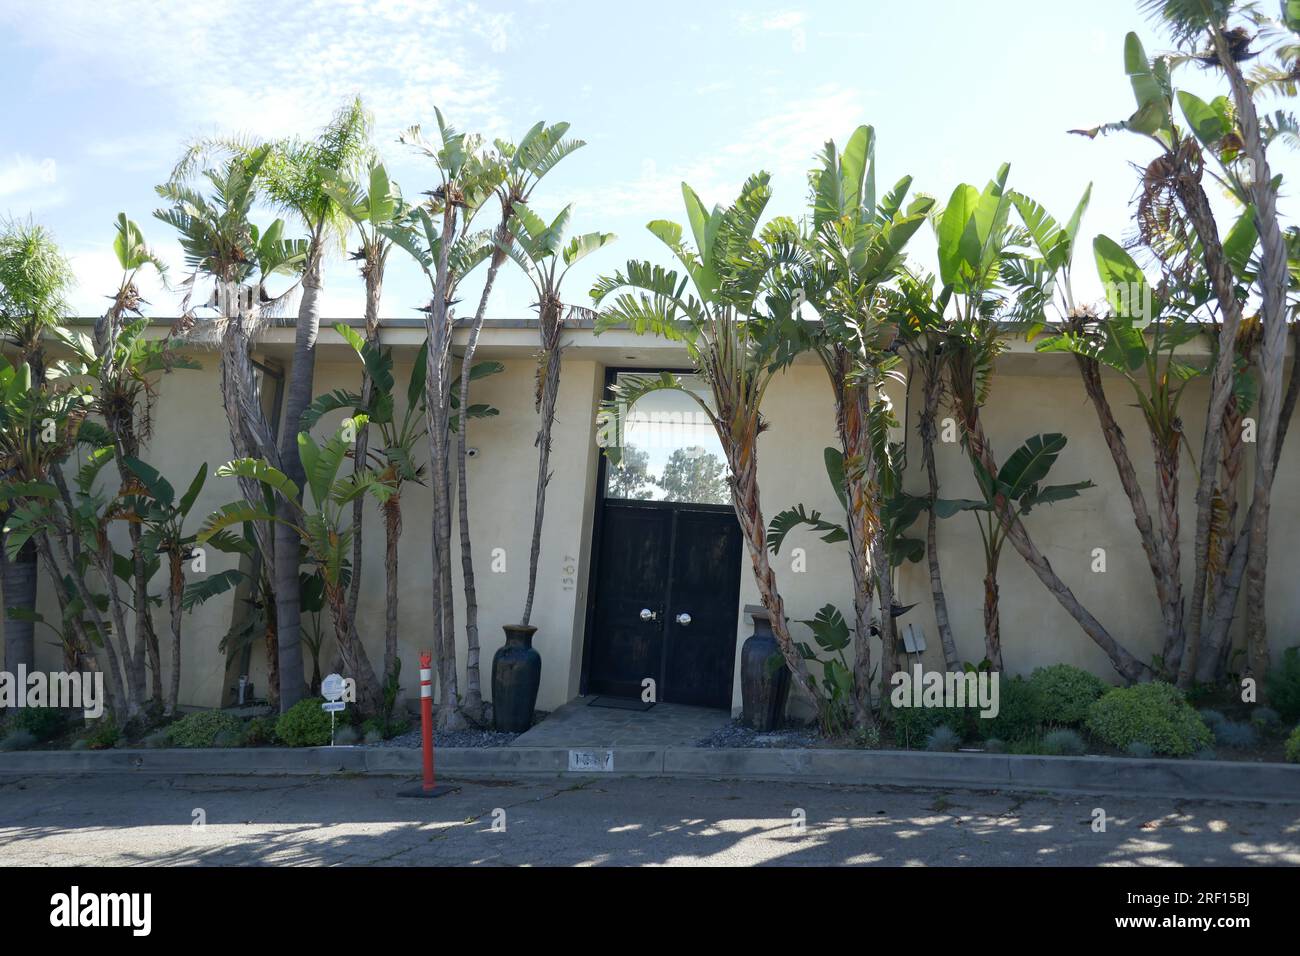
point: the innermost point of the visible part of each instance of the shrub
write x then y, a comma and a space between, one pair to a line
1293, 746
43, 723
203, 728
1155, 714
1206, 753
995, 746
304, 724
867, 738
1139, 749
1283, 685
1020, 712
102, 734
1235, 735
913, 725
943, 739
1265, 718
156, 740
1212, 718
1066, 692
18, 740
1063, 742
259, 731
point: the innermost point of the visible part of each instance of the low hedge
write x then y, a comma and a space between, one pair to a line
304, 724
1155, 714
1065, 693
203, 729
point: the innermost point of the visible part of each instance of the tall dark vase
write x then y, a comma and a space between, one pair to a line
516, 675
763, 692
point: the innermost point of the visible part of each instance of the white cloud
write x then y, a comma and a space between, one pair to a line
24, 174
235, 65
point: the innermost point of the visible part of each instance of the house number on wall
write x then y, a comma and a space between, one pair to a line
570, 571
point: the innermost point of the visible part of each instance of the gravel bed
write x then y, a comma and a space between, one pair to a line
456, 739
737, 734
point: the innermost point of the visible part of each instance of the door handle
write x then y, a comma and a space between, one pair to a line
683, 619
649, 615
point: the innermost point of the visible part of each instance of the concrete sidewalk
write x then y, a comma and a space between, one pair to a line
579, 724
111, 820
1197, 779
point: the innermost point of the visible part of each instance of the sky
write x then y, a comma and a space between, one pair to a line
101, 96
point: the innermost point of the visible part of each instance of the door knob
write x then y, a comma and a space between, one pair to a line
648, 615
683, 619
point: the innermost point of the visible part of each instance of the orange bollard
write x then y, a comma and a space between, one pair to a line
428, 788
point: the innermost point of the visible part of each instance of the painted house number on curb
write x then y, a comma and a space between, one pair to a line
600, 761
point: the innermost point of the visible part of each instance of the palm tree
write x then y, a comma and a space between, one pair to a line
974, 244
855, 248
716, 310
296, 175
447, 250
372, 207
1018, 484
320, 528
1147, 360
1197, 24
34, 276
394, 461
222, 244
123, 362
155, 508
516, 170
540, 251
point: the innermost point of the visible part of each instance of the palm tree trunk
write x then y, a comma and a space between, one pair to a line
1128, 666
355, 663
992, 620
742, 455
852, 419
175, 594
1197, 206
18, 584
1171, 556
1228, 585
392, 510
1164, 574
438, 326
473, 689
117, 693
931, 384
298, 396
374, 275
1273, 283
549, 369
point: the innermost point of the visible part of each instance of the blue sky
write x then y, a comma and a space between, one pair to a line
101, 96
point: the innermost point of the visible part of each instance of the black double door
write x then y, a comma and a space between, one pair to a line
665, 602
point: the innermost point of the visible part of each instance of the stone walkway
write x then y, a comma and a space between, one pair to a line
664, 725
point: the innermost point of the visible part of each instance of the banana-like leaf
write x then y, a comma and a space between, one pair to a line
258, 469
210, 586
786, 521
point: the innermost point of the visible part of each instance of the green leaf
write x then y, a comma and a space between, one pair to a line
830, 629
1206, 124
258, 469
209, 587
159, 488
1030, 463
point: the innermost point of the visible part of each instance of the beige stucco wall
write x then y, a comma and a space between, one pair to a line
1031, 394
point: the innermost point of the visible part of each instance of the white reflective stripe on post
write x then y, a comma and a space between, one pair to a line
426, 673
426, 690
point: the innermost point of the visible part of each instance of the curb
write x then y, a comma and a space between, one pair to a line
1190, 779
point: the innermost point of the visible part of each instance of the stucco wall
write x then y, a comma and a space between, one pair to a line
1031, 394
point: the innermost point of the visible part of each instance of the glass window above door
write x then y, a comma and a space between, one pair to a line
669, 451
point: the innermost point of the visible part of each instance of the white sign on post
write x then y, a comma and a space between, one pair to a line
332, 689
